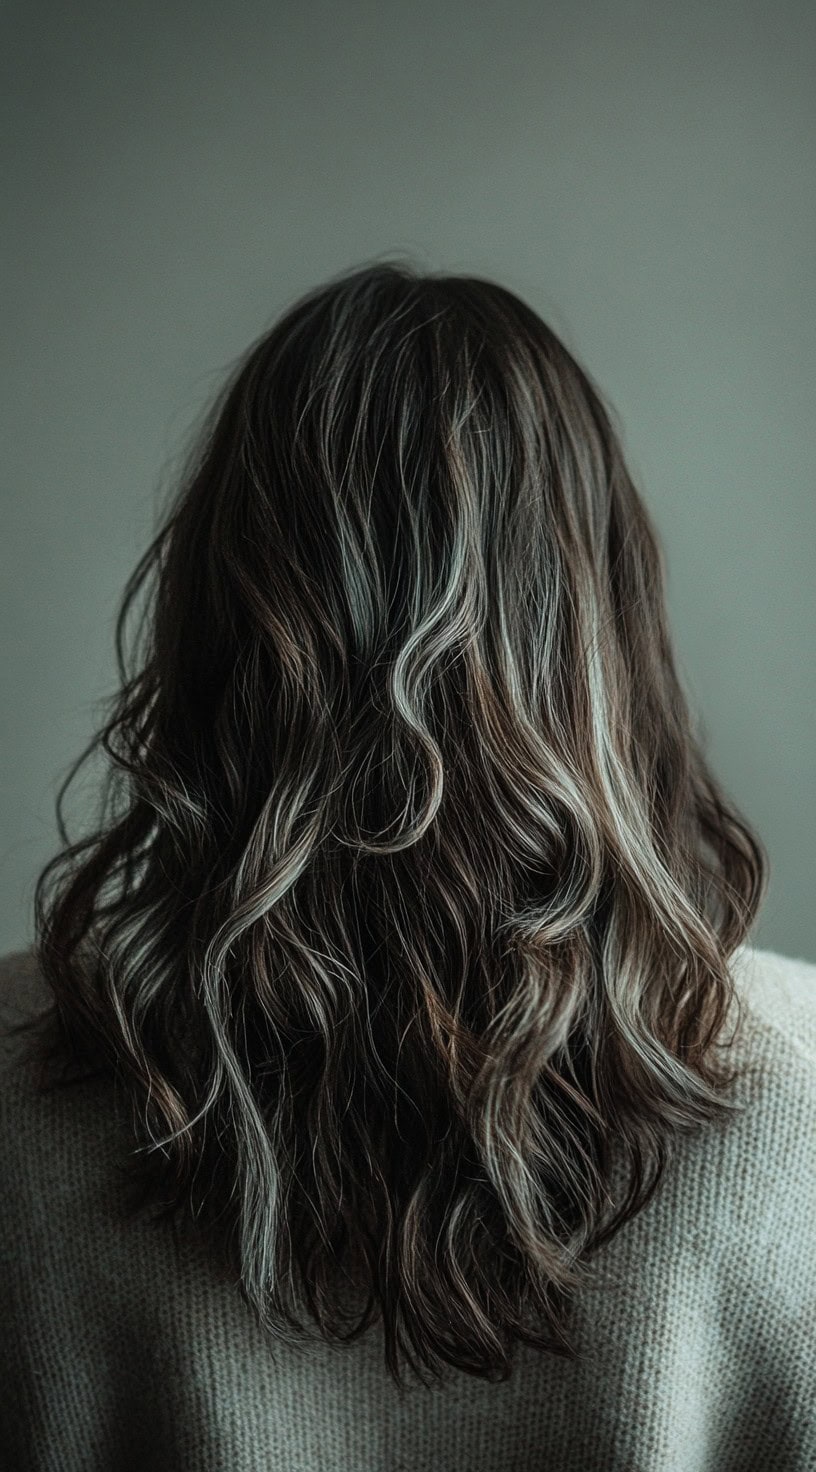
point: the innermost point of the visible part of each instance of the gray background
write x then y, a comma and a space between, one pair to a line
643, 174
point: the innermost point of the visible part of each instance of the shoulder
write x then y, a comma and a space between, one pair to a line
775, 1052
55, 1141
24, 998
767, 1265
34, 1108
22, 987
776, 1049
761, 1174
779, 996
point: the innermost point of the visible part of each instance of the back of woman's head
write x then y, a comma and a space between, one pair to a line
411, 901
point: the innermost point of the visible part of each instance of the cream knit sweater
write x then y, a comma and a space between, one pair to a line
698, 1335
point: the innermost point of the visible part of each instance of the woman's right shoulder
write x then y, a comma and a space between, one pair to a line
778, 993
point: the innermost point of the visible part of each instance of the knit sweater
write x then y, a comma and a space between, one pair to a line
697, 1332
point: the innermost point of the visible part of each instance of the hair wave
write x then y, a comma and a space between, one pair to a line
411, 898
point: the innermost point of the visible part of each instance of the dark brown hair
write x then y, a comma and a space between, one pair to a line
411, 900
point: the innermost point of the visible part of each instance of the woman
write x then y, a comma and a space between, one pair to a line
408, 1091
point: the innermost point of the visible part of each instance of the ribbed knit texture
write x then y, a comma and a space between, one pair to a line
697, 1334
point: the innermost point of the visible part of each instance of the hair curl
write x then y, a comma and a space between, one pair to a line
411, 901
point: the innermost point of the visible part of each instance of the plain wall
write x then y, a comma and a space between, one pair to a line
175, 175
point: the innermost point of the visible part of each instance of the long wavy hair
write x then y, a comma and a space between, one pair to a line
410, 904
